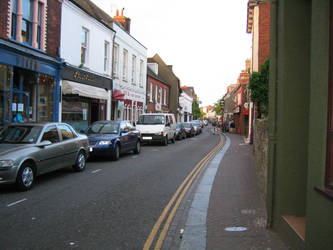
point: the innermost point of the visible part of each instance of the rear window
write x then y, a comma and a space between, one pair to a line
151, 119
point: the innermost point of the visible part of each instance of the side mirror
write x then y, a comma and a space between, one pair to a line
44, 143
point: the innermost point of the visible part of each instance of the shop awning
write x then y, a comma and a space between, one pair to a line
75, 88
118, 95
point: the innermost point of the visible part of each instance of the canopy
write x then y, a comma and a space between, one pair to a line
69, 87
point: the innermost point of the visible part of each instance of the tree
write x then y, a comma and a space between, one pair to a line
218, 107
259, 88
195, 110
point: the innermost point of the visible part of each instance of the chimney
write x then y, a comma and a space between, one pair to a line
124, 21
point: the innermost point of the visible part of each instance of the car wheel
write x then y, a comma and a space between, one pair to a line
80, 163
173, 139
26, 177
116, 153
165, 141
137, 147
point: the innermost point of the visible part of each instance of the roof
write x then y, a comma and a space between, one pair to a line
153, 75
91, 9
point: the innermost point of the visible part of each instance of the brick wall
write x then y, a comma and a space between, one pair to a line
264, 31
53, 27
151, 105
4, 7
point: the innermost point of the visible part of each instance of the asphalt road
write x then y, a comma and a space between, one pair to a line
111, 205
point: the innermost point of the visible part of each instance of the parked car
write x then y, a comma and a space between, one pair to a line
31, 149
111, 138
157, 127
189, 129
180, 131
199, 124
197, 127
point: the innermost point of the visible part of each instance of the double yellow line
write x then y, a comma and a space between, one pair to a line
183, 190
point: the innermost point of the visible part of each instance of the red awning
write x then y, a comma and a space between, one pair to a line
118, 95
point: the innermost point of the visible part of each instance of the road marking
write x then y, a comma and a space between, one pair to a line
187, 183
235, 229
95, 171
16, 202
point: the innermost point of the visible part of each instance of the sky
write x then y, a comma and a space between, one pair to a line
204, 40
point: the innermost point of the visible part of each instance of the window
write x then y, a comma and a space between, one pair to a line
39, 25
51, 134
141, 74
115, 60
84, 46
26, 31
160, 95
156, 90
133, 69
151, 92
165, 102
106, 56
14, 17
66, 132
125, 58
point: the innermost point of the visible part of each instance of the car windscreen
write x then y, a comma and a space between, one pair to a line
179, 125
151, 119
20, 134
103, 128
187, 125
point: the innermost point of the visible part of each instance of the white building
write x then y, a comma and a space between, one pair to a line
185, 102
86, 47
129, 72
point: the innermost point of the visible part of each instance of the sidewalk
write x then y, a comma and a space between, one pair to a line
227, 211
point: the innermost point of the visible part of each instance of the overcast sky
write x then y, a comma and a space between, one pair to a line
204, 40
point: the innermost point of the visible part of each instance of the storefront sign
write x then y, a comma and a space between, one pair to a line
28, 63
85, 77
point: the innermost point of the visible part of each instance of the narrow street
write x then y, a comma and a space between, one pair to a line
111, 205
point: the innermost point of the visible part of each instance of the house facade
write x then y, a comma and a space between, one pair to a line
185, 102
300, 173
129, 72
86, 47
30, 65
158, 91
166, 73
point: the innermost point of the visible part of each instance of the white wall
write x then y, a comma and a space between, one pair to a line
185, 101
73, 20
255, 40
126, 41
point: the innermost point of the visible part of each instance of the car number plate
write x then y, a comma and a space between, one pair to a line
147, 137
90, 149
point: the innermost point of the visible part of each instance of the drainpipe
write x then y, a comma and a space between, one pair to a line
273, 114
114, 36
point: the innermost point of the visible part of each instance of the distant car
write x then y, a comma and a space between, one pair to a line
31, 149
198, 123
180, 131
189, 129
197, 127
111, 138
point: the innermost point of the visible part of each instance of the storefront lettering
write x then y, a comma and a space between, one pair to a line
28, 63
83, 76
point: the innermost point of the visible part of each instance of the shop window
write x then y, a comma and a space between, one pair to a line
4, 94
75, 113
45, 98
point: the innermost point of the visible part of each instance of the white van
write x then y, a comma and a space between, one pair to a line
157, 127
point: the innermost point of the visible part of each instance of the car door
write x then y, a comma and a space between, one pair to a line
133, 137
124, 136
50, 156
70, 146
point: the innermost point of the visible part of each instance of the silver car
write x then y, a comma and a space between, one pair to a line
31, 149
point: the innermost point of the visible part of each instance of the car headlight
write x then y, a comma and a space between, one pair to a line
6, 163
105, 143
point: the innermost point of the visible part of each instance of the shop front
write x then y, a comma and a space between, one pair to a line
29, 85
86, 97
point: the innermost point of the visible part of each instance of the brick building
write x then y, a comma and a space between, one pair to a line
29, 63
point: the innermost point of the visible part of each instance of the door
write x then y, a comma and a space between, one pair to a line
94, 113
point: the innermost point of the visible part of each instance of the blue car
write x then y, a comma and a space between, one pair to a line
111, 138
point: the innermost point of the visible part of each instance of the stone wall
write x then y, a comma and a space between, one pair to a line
260, 148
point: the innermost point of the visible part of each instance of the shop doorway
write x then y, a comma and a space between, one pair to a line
94, 112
